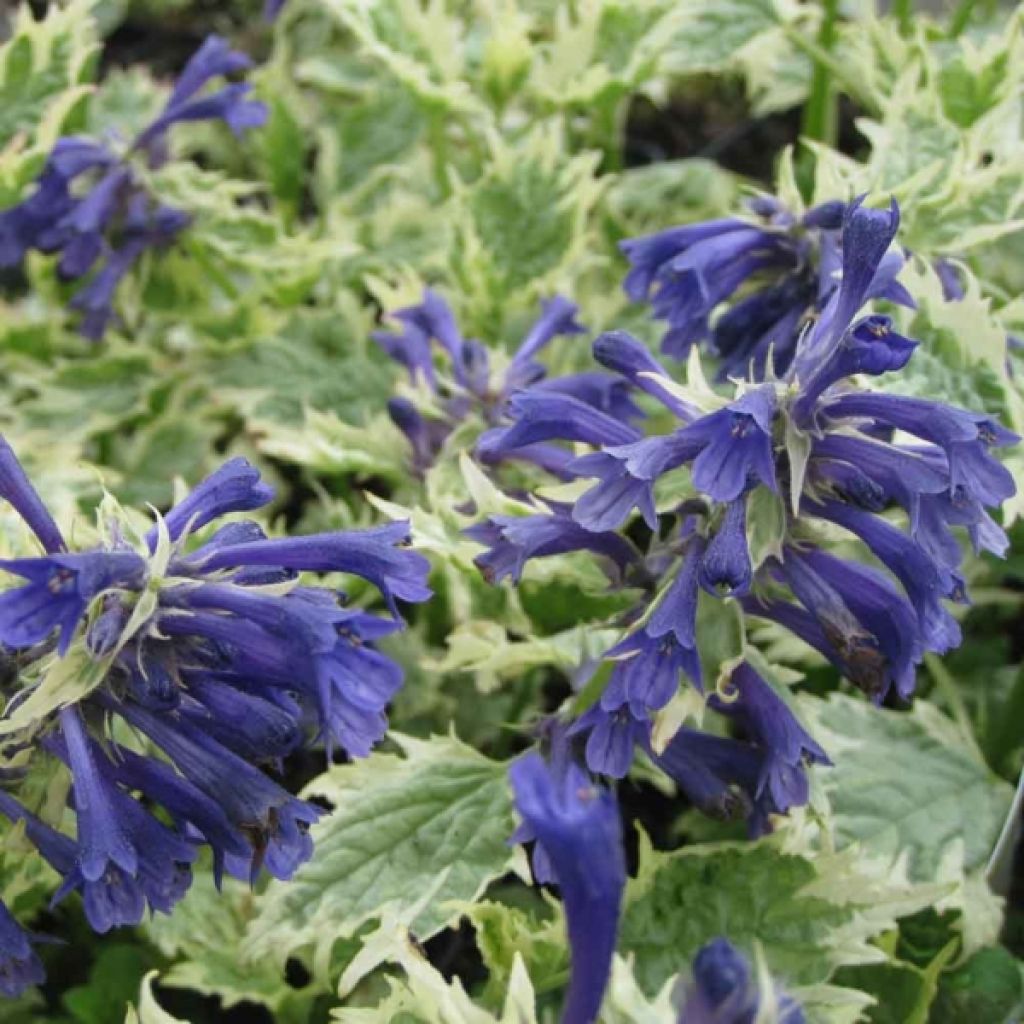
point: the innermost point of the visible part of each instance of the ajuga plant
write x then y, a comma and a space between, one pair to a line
197, 659
706, 422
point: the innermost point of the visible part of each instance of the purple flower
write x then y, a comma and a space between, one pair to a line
735, 446
16, 488
60, 590
687, 272
213, 59
870, 346
373, 554
723, 990
578, 826
725, 568
647, 670
513, 540
558, 317
107, 225
544, 416
20, 967
275, 823
867, 272
774, 728
926, 581
966, 438
858, 621
473, 387
230, 671
676, 612
612, 736
234, 487
717, 774
626, 475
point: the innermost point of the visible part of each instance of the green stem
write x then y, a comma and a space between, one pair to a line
904, 12
951, 693
608, 129
438, 136
961, 16
839, 74
820, 120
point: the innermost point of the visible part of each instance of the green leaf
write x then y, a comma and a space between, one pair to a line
902, 992
372, 132
91, 395
988, 987
504, 932
41, 67
206, 937
313, 362
721, 636
398, 826
711, 34
523, 220
284, 150
113, 981
748, 893
906, 789
912, 140
178, 444
809, 916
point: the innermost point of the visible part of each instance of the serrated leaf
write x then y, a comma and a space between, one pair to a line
710, 34
314, 363
504, 933
750, 893
485, 649
397, 824
905, 789
284, 150
988, 987
41, 63
206, 937
329, 446
524, 219
90, 395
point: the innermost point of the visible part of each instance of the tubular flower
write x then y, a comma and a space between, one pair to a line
210, 648
19, 966
817, 445
576, 826
784, 266
465, 383
722, 990
92, 206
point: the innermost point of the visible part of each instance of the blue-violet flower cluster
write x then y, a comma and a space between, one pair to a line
774, 271
220, 658
463, 382
92, 206
835, 459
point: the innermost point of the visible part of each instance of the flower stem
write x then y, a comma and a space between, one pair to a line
904, 12
961, 16
820, 120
